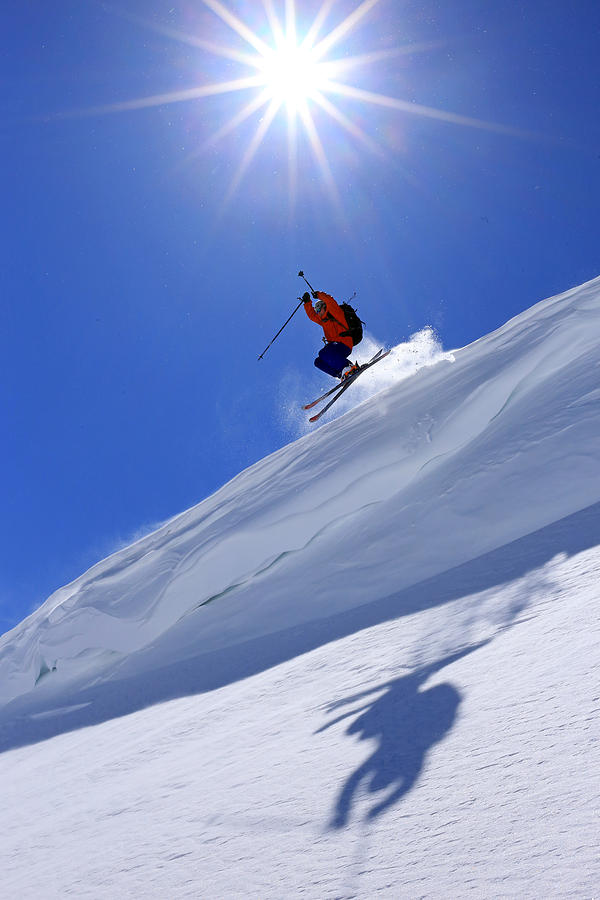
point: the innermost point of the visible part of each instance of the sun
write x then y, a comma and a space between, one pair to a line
297, 75
292, 75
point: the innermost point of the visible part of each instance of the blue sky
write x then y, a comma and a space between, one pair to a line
144, 268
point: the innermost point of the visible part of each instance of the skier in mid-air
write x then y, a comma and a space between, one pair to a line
343, 330
333, 357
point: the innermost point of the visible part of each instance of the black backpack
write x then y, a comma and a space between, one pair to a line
355, 324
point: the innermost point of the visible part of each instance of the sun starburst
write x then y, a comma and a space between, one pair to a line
291, 77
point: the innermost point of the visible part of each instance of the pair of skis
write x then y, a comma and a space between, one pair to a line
381, 354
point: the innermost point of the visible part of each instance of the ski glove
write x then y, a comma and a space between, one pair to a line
306, 297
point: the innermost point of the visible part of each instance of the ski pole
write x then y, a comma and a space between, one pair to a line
302, 275
282, 327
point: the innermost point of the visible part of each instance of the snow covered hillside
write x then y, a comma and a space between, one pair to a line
366, 666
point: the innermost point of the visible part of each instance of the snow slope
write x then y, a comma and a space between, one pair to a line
365, 666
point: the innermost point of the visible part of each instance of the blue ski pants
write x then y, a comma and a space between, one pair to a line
332, 358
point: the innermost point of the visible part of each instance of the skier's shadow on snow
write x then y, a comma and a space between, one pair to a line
406, 721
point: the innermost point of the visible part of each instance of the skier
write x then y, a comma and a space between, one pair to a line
333, 357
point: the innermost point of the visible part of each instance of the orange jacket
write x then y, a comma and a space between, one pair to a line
334, 323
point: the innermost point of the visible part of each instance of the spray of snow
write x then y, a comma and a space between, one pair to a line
423, 348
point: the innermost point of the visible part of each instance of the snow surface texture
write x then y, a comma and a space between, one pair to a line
367, 666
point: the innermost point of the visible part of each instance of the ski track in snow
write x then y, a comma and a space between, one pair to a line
364, 667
